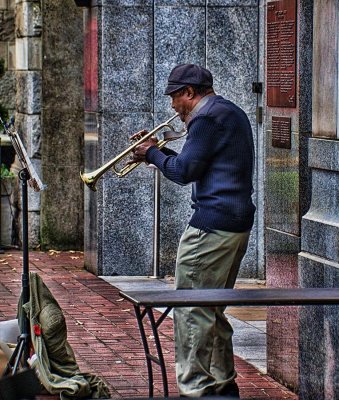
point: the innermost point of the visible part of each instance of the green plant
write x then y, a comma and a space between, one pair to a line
3, 114
5, 172
2, 67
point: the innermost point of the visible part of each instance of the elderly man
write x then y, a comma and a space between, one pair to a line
217, 158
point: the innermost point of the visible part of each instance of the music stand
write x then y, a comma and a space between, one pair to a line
27, 176
1, 249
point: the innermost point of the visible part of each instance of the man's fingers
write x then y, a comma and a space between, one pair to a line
138, 135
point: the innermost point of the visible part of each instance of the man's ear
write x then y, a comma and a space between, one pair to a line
190, 92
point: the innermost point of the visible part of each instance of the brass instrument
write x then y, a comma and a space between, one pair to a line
91, 178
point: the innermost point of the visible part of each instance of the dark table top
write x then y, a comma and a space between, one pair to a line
232, 297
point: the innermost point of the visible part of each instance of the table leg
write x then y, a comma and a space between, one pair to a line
149, 357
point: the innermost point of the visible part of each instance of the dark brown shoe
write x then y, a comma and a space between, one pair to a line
231, 391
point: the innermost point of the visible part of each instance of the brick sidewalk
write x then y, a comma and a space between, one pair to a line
103, 331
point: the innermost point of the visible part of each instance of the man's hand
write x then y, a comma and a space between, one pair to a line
138, 135
139, 153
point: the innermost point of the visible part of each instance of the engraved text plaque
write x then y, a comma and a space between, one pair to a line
281, 132
281, 53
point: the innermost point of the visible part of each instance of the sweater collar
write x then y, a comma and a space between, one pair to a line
197, 108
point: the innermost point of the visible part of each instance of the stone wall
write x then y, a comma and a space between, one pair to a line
62, 121
138, 43
41, 44
28, 50
7, 54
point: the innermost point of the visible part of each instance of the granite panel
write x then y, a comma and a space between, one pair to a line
126, 66
127, 228
249, 267
175, 44
282, 344
305, 174
311, 353
311, 271
233, 3
324, 154
282, 186
325, 196
124, 3
305, 62
281, 259
232, 53
320, 237
318, 347
176, 3
282, 251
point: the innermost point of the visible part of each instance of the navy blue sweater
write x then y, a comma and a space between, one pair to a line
217, 158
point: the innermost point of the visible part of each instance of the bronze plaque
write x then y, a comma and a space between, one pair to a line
281, 53
281, 132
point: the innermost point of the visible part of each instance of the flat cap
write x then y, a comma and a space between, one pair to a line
188, 74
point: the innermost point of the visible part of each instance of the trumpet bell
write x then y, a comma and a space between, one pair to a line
89, 180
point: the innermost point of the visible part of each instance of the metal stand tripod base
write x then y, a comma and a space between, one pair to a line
21, 352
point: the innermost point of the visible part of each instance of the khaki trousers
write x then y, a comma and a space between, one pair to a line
203, 336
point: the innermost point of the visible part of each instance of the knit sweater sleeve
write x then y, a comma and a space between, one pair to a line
193, 161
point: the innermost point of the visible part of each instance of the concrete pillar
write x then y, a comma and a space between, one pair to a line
319, 256
288, 126
62, 121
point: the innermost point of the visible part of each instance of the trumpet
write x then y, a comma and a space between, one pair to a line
91, 178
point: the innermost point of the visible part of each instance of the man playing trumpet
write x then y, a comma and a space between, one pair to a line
217, 158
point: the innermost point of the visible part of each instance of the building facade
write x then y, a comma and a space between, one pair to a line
84, 75
41, 50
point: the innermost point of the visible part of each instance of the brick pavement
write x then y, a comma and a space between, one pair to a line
103, 331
